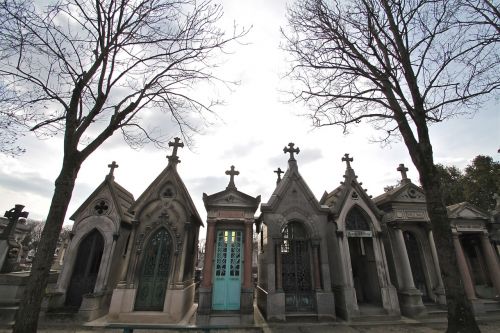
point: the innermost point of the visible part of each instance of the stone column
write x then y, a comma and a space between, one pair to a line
247, 277
316, 265
407, 276
435, 259
278, 268
464, 269
491, 262
209, 254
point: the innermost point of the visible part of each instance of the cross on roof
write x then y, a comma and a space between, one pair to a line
291, 150
279, 172
231, 174
176, 144
403, 170
348, 160
112, 167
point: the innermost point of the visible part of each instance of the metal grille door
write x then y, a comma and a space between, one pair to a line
154, 273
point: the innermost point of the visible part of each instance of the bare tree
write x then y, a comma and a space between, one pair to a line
87, 69
399, 65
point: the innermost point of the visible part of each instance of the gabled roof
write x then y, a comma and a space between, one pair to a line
168, 174
405, 193
336, 199
465, 210
231, 197
122, 199
290, 177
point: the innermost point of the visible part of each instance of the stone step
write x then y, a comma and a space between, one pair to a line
375, 318
301, 317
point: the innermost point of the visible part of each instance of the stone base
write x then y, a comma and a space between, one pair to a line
207, 316
94, 306
390, 301
325, 306
12, 286
345, 302
178, 304
411, 303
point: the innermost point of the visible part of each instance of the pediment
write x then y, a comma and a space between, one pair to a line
466, 211
410, 194
231, 198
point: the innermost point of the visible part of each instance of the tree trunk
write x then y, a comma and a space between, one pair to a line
460, 313
27, 315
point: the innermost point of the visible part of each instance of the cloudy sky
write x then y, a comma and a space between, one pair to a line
255, 125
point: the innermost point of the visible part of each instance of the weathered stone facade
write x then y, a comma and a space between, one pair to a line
94, 257
294, 276
157, 284
347, 255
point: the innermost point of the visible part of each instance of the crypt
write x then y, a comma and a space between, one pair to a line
226, 293
360, 273
93, 260
294, 276
157, 285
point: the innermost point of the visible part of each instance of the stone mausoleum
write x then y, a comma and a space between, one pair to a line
345, 256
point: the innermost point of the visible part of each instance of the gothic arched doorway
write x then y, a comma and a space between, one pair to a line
154, 272
296, 268
85, 269
363, 263
415, 259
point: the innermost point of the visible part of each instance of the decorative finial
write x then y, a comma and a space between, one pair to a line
231, 174
112, 168
404, 177
348, 160
176, 144
291, 150
279, 172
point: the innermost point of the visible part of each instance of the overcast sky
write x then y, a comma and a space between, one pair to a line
255, 126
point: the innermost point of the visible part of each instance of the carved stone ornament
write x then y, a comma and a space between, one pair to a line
101, 207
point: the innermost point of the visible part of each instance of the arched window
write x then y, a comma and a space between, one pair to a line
356, 220
292, 231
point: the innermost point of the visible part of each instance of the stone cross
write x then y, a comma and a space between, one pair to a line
112, 167
9, 247
176, 144
291, 150
13, 215
279, 172
348, 160
403, 170
231, 174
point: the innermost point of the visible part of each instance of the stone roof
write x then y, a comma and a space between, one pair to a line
122, 199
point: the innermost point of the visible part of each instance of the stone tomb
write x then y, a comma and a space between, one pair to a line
94, 258
476, 256
294, 276
360, 273
226, 291
411, 252
158, 286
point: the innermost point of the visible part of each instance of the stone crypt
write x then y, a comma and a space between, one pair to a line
226, 292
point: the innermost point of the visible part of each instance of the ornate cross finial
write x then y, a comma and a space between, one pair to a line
231, 174
176, 144
112, 167
403, 170
291, 150
348, 160
279, 172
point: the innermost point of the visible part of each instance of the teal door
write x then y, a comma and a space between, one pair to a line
227, 276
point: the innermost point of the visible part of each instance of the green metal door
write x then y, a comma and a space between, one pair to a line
154, 273
227, 276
